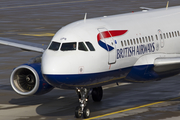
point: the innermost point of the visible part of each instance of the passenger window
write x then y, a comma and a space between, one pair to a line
81, 46
178, 33
68, 46
175, 34
54, 46
164, 35
149, 38
152, 38
131, 42
143, 40
156, 37
137, 41
146, 39
122, 43
128, 42
167, 35
90, 46
140, 40
134, 41
172, 34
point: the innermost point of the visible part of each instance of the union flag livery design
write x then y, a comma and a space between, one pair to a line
108, 34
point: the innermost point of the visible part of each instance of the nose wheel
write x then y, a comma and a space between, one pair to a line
79, 113
82, 110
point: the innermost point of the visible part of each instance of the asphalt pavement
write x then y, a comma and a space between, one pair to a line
37, 21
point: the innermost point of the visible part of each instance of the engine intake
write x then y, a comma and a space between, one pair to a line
27, 80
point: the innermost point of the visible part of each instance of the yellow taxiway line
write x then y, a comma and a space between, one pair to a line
37, 34
133, 108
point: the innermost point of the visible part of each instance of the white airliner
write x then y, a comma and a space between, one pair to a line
87, 54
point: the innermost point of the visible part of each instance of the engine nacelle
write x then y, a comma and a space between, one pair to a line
27, 79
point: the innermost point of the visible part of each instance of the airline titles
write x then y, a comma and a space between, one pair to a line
135, 50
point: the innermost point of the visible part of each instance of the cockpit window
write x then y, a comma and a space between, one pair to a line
68, 46
81, 46
54, 46
90, 46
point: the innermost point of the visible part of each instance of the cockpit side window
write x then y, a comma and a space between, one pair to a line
68, 46
81, 46
90, 46
54, 46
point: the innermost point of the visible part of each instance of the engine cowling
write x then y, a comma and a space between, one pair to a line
27, 79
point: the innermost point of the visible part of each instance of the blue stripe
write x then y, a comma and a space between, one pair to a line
87, 80
103, 45
143, 73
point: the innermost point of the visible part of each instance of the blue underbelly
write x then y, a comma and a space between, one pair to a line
87, 80
143, 73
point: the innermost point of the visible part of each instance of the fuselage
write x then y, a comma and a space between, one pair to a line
103, 50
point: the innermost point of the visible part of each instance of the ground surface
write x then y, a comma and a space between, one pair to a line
37, 21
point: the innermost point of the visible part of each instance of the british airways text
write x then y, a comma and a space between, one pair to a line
135, 50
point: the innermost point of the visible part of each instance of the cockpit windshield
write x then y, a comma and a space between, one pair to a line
68, 46
81, 46
54, 46
71, 46
90, 46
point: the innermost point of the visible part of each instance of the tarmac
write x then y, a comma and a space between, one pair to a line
37, 21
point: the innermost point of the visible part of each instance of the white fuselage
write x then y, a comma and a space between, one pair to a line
149, 35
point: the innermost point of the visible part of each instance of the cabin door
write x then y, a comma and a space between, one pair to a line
107, 42
161, 38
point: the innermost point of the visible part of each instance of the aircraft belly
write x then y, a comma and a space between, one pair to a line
87, 80
146, 73
142, 73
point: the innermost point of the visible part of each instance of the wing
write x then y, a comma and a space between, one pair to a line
166, 64
161, 64
23, 45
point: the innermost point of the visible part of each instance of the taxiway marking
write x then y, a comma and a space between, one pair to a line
114, 85
45, 4
133, 108
37, 34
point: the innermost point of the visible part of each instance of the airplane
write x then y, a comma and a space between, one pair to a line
90, 53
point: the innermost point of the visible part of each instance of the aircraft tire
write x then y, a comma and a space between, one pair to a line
86, 112
97, 94
78, 113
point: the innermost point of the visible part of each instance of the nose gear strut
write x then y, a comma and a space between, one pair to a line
82, 110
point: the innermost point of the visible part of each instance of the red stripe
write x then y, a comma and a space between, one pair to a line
106, 34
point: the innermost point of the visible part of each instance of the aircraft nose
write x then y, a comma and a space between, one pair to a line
48, 64
54, 63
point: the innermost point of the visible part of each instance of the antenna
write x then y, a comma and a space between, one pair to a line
85, 17
167, 5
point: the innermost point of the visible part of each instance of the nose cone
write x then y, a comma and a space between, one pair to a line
48, 65
52, 67
56, 63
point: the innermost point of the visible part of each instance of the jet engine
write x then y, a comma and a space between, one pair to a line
27, 79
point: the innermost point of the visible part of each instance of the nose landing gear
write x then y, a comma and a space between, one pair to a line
82, 110
83, 94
